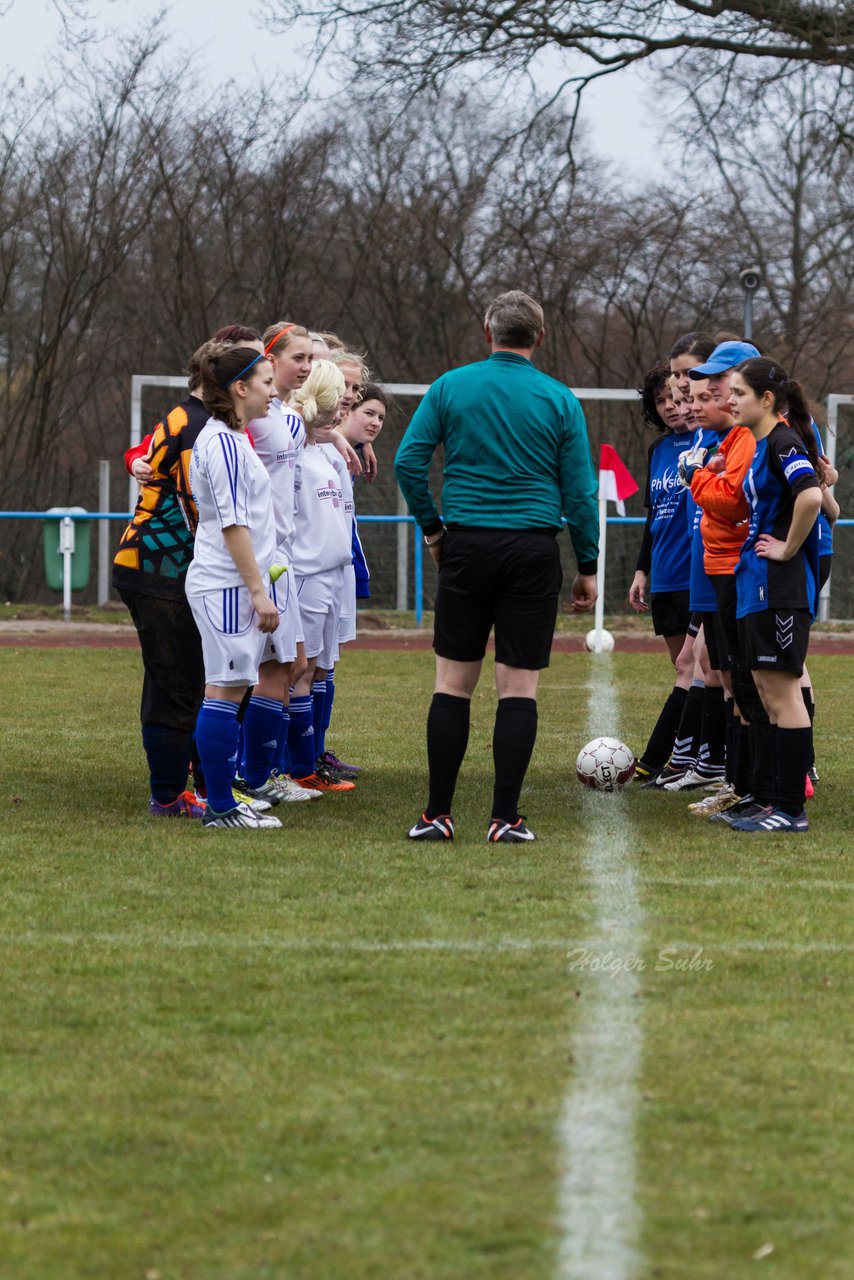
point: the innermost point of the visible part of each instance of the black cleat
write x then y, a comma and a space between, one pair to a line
440, 828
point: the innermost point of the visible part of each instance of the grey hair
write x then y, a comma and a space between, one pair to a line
514, 319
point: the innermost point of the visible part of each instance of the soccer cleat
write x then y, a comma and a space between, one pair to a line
255, 803
643, 774
187, 805
240, 816
340, 766
501, 832
722, 799
812, 774
289, 791
329, 770
671, 773
747, 807
690, 780
441, 828
268, 791
809, 789
773, 820
318, 781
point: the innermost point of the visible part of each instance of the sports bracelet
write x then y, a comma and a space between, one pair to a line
437, 537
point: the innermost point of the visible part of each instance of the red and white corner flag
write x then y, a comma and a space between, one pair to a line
615, 481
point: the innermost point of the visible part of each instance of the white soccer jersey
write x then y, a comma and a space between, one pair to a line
279, 440
347, 491
321, 538
231, 487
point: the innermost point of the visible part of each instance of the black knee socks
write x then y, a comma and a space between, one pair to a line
447, 739
512, 744
660, 745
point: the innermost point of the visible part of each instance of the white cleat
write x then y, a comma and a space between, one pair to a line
240, 816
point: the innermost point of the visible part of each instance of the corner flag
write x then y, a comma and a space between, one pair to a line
615, 481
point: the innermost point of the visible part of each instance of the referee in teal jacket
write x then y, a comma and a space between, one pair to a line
516, 459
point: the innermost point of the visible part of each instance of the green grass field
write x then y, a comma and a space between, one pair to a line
320, 1053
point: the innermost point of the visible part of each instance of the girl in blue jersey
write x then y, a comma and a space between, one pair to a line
664, 560
777, 575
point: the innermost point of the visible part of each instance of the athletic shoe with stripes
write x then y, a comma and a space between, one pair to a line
240, 816
441, 828
187, 805
290, 791
501, 832
773, 820
747, 807
318, 781
267, 791
256, 803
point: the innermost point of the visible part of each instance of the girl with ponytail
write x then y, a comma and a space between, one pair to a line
777, 580
228, 582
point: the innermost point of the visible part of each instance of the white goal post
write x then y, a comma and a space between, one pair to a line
140, 381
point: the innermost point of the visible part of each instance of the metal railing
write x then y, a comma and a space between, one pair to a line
67, 545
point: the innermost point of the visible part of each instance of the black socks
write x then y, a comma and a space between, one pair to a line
658, 749
447, 739
512, 744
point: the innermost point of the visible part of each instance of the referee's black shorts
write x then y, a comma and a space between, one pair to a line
506, 578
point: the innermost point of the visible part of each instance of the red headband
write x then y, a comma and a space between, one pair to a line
280, 334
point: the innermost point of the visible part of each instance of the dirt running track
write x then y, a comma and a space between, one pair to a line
81, 635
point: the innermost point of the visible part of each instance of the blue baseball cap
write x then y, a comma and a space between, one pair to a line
725, 356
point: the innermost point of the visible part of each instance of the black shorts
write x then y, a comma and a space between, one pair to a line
776, 640
725, 621
670, 612
509, 579
694, 624
174, 681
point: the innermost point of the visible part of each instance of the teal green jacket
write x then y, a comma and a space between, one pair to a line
516, 454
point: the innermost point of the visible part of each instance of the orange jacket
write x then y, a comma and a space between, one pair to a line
723, 524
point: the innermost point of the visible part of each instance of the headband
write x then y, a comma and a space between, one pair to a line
245, 369
280, 334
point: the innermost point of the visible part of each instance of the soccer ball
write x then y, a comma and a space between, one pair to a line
607, 641
605, 764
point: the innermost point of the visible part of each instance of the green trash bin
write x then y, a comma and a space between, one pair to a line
53, 549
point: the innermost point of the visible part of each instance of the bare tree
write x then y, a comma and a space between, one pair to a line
413, 44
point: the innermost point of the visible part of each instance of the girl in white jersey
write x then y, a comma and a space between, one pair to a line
228, 582
322, 551
279, 439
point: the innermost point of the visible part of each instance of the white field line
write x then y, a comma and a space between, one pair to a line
599, 1214
583, 953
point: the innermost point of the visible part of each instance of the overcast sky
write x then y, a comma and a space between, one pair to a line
229, 44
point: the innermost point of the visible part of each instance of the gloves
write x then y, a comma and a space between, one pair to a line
689, 462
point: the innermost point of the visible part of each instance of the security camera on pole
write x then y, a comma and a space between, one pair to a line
751, 279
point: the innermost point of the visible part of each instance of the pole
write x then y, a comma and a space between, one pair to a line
748, 314
599, 615
103, 532
402, 556
66, 546
419, 580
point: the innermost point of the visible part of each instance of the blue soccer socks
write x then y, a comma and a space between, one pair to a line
216, 739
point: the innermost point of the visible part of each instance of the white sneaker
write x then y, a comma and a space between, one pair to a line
290, 791
241, 816
688, 782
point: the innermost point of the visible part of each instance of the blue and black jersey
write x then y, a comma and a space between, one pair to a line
781, 469
670, 545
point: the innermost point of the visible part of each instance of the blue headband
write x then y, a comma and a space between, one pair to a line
245, 369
